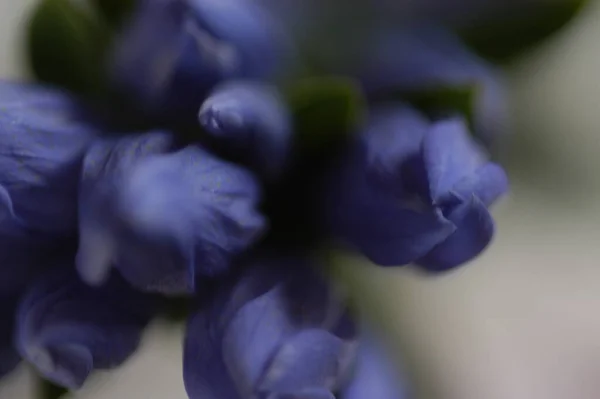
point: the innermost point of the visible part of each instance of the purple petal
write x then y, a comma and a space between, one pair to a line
67, 329
449, 156
389, 231
252, 121
164, 219
311, 358
240, 346
374, 376
104, 169
174, 51
488, 184
253, 337
42, 141
391, 142
474, 231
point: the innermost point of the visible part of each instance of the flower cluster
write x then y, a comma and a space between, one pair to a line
251, 160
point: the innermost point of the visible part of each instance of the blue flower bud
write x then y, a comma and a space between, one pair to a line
163, 218
415, 192
277, 332
67, 329
173, 52
253, 122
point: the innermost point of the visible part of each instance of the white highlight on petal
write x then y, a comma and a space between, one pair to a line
95, 255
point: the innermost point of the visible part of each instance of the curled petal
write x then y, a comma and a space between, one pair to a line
488, 184
104, 169
389, 231
259, 337
374, 376
449, 156
173, 52
168, 218
474, 231
43, 136
310, 358
252, 121
67, 329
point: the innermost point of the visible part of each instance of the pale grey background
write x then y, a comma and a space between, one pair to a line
523, 321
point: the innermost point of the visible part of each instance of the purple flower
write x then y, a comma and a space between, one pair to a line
67, 329
415, 191
251, 120
163, 217
276, 332
43, 137
174, 51
414, 59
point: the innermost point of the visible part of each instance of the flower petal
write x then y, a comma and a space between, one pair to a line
252, 121
173, 52
311, 358
388, 230
42, 140
374, 376
104, 169
474, 231
391, 142
488, 184
173, 217
242, 344
449, 156
67, 329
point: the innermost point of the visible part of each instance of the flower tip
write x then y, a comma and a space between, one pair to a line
217, 118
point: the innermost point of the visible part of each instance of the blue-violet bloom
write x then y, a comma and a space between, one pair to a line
173, 52
415, 191
67, 329
252, 121
163, 216
276, 332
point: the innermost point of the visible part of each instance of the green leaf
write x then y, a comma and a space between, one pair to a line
509, 34
325, 110
115, 12
67, 47
49, 390
453, 99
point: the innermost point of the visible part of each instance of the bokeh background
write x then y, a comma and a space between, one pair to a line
520, 322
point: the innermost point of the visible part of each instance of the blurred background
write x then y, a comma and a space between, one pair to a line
520, 322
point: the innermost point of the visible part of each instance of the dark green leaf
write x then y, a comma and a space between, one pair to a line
115, 12
446, 99
442, 100
509, 34
325, 110
49, 390
67, 47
